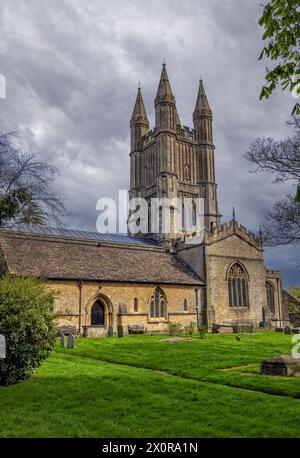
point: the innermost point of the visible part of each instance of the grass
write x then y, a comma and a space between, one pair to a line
120, 388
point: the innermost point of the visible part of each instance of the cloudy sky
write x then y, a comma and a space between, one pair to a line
72, 69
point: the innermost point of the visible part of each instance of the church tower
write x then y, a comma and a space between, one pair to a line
171, 160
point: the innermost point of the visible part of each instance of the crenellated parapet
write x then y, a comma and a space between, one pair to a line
233, 227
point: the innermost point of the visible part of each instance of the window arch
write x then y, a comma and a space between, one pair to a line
158, 304
237, 279
97, 314
270, 297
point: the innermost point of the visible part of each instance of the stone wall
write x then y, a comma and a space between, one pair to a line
119, 303
220, 256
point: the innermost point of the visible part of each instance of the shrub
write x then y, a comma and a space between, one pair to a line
190, 329
28, 325
174, 328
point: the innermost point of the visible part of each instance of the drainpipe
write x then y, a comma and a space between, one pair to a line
80, 285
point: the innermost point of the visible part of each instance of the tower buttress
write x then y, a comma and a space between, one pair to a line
139, 126
202, 117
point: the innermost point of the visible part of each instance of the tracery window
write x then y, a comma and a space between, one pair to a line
238, 294
158, 304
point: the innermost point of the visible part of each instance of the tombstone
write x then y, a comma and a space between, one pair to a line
62, 341
120, 331
283, 365
110, 331
71, 341
287, 330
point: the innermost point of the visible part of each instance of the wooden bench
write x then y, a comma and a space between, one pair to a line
136, 329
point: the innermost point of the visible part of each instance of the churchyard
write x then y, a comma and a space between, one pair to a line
143, 386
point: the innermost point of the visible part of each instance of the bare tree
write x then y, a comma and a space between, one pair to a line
282, 160
26, 195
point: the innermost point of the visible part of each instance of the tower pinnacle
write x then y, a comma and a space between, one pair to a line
164, 91
202, 107
166, 115
139, 115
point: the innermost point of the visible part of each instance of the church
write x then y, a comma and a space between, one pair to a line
107, 280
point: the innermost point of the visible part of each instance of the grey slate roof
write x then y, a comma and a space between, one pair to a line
85, 258
84, 235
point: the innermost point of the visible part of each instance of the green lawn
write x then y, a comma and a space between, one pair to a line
123, 388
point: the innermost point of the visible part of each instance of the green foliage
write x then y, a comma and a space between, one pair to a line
28, 325
294, 308
190, 329
281, 21
174, 328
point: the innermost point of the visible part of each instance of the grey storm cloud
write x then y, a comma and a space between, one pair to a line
72, 70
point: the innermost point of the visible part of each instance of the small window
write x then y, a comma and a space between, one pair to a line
136, 304
185, 305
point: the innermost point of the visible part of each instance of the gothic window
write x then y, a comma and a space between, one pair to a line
270, 297
136, 304
182, 217
238, 295
97, 314
158, 304
185, 305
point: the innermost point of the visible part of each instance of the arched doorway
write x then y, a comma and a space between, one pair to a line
98, 314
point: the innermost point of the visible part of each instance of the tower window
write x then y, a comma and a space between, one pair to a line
136, 304
238, 295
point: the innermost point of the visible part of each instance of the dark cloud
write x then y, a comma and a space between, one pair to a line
72, 70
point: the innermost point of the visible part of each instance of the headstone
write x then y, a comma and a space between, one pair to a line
120, 331
71, 341
110, 331
62, 341
283, 365
287, 330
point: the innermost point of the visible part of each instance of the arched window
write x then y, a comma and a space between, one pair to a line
185, 305
238, 295
157, 304
97, 314
136, 304
270, 297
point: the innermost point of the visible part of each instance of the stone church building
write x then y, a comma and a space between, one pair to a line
106, 280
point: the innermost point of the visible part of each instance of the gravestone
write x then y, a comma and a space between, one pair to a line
62, 341
287, 330
110, 331
282, 365
71, 341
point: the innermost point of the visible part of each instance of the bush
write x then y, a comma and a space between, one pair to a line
174, 328
190, 329
28, 325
